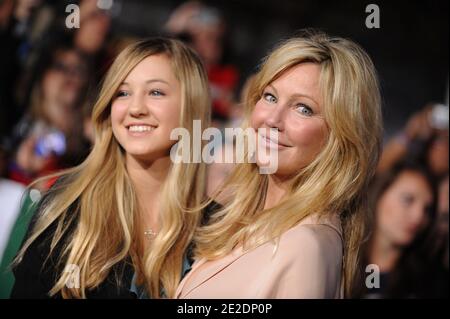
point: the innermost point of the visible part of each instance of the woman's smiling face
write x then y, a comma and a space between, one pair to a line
146, 109
292, 105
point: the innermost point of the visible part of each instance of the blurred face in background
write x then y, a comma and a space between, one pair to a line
293, 106
64, 79
24, 8
61, 86
147, 108
95, 24
207, 41
403, 209
438, 153
207, 29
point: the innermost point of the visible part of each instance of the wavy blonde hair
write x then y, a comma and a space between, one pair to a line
107, 215
335, 181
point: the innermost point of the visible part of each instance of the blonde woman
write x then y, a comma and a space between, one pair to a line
121, 213
296, 233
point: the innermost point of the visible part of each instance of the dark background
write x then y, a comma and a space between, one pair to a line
410, 50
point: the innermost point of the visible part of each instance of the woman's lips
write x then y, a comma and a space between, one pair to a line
140, 129
273, 143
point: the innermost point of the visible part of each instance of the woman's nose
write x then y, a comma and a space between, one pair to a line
137, 107
275, 119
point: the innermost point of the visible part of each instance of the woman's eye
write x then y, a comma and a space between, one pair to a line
407, 199
269, 98
156, 93
122, 94
304, 110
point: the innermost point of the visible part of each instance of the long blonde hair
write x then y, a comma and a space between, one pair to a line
336, 181
106, 215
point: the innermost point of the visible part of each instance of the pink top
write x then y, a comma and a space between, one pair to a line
307, 264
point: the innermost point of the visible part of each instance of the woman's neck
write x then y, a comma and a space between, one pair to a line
384, 253
148, 178
276, 189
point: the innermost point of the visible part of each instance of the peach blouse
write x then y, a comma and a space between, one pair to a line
306, 264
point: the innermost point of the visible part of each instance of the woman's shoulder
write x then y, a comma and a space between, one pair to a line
306, 263
320, 238
317, 226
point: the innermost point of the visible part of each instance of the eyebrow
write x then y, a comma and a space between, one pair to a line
150, 81
295, 94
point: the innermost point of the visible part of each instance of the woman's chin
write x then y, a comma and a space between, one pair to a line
139, 153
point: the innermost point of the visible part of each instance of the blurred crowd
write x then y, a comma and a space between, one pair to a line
410, 197
49, 79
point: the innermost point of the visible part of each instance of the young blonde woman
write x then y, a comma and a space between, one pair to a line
296, 233
119, 218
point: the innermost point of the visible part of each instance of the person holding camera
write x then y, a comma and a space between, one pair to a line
424, 138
